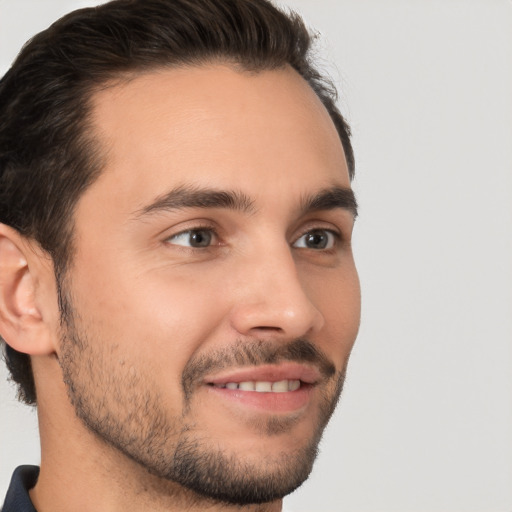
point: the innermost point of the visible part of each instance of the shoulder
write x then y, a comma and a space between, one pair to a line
17, 498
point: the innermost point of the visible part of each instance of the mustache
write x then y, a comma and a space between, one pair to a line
254, 353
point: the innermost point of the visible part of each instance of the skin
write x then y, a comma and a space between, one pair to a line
147, 305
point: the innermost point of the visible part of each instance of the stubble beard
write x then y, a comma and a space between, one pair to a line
124, 411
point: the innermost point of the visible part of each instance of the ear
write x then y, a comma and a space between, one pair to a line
25, 273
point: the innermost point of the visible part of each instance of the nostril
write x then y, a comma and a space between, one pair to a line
275, 315
268, 328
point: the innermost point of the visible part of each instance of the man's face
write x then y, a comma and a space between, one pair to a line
213, 291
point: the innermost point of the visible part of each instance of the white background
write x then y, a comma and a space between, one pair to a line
425, 423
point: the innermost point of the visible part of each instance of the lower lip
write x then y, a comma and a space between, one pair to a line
288, 402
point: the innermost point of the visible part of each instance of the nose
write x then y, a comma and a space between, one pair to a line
272, 300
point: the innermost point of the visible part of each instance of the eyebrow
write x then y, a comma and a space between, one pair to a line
331, 199
193, 197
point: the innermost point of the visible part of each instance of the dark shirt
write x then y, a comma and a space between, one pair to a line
17, 499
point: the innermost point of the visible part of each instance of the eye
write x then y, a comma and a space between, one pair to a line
197, 238
318, 239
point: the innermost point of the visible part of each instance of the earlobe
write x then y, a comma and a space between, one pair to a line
21, 322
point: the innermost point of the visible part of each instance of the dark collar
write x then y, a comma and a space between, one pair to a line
17, 498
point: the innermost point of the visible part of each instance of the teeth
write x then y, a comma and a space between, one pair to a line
281, 386
263, 387
293, 385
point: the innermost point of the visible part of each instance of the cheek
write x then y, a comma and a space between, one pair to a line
338, 297
160, 316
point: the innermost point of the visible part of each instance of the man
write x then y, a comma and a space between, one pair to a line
177, 288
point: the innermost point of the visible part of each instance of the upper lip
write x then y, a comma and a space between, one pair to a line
267, 373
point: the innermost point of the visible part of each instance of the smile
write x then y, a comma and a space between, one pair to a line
284, 388
281, 386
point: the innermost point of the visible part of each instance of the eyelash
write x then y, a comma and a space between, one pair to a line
336, 238
206, 228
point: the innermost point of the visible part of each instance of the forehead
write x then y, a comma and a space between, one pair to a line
215, 126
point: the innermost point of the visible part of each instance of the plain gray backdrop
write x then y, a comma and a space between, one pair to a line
425, 422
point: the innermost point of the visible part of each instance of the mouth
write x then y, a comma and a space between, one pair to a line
282, 388
262, 386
